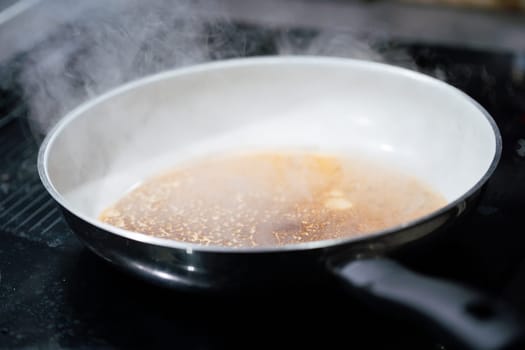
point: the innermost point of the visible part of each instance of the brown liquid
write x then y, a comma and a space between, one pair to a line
268, 199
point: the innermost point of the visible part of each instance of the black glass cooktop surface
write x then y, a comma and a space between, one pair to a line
54, 293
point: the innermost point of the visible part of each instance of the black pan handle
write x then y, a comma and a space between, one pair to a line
459, 316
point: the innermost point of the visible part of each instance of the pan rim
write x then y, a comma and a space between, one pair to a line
46, 180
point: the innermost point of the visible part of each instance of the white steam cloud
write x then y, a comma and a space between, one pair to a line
97, 45
105, 46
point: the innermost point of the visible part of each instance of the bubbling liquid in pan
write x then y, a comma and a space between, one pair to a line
272, 199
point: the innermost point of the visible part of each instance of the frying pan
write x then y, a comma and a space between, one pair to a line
398, 117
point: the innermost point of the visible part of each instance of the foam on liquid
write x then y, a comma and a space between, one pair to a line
272, 199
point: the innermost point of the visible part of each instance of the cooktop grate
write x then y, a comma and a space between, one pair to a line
26, 209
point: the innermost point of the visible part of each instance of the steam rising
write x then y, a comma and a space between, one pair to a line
101, 45
104, 47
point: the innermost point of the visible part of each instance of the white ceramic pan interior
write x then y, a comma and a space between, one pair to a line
394, 116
